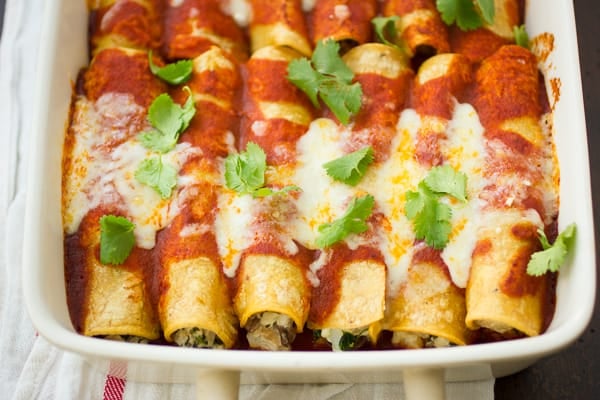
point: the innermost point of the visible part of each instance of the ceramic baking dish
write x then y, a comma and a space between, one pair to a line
64, 51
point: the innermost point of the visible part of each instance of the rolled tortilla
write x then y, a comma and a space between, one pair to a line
113, 301
107, 300
440, 83
384, 75
124, 23
420, 27
276, 113
195, 306
348, 22
519, 199
272, 294
194, 26
349, 299
429, 309
482, 42
278, 23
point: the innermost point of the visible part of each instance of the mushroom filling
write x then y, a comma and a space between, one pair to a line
196, 337
418, 341
342, 340
127, 338
270, 331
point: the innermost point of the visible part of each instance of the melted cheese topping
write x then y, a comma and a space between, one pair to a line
322, 199
465, 152
233, 228
240, 11
105, 174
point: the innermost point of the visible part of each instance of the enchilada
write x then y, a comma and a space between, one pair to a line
229, 264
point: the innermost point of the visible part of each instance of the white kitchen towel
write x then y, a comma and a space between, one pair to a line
32, 368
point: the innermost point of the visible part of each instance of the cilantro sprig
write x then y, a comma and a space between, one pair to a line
160, 176
385, 27
350, 168
553, 256
353, 221
424, 207
327, 77
521, 36
169, 120
174, 73
245, 172
467, 14
116, 239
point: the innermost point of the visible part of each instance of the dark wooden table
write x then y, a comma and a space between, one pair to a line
575, 372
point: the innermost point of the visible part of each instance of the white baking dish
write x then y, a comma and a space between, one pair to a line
64, 52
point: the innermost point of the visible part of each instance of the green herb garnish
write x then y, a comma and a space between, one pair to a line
464, 12
430, 216
353, 221
174, 73
349, 341
158, 175
169, 120
327, 77
553, 256
116, 239
245, 173
521, 36
385, 27
350, 168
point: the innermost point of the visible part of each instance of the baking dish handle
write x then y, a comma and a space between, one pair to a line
422, 384
216, 384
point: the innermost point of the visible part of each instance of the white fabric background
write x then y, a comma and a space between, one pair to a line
31, 368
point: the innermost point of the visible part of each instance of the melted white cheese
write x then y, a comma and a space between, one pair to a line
106, 174
322, 199
233, 228
465, 152
399, 174
239, 10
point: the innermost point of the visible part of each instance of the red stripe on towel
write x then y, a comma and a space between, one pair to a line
114, 386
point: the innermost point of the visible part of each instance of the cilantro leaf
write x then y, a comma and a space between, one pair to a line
327, 77
488, 11
165, 115
343, 99
188, 110
429, 215
265, 191
159, 176
175, 73
327, 61
461, 12
552, 257
444, 179
156, 141
302, 74
116, 239
169, 120
385, 27
351, 167
245, 172
521, 36
353, 221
